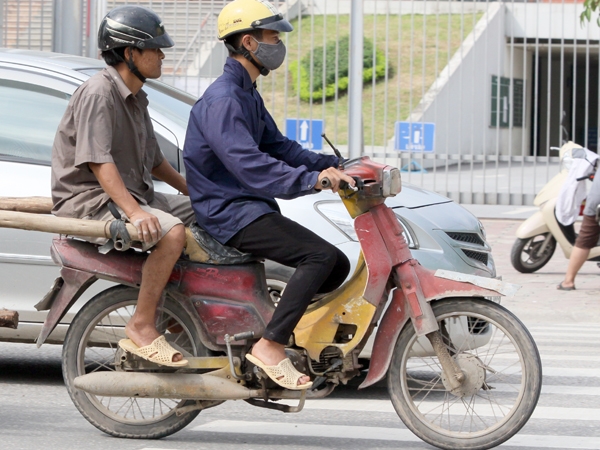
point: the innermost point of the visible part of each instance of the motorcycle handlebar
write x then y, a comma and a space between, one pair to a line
326, 184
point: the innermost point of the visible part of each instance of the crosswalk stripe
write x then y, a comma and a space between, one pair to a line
378, 433
385, 406
566, 335
562, 327
570, 372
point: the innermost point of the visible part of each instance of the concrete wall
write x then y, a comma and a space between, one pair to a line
459, 100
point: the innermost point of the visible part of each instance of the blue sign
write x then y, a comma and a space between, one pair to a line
414, 136
306, 132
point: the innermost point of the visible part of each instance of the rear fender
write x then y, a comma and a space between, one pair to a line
62, 297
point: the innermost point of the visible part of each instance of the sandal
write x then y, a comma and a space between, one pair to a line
159, 352
284, 373
560, 287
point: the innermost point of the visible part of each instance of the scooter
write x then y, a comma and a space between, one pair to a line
538, 235
462, 371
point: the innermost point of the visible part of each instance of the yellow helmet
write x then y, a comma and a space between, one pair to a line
246, 15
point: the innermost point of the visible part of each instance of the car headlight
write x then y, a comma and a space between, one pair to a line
335, 213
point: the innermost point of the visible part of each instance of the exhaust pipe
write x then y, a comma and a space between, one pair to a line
185, 386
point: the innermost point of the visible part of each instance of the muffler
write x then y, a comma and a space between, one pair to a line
164, 385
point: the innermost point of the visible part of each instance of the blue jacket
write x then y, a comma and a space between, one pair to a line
236, 159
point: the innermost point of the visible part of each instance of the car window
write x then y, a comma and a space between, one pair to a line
170, 102
29, 123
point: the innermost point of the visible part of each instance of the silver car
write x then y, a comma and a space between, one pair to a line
35, 88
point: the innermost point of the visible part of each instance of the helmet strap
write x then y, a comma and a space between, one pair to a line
132, 67
246, 54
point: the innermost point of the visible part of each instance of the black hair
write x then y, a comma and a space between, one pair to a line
235, 40
111, 59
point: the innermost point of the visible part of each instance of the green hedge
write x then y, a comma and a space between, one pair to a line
343, 65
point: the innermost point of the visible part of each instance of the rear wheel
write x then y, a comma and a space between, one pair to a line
91, 345
503, 374
527, 255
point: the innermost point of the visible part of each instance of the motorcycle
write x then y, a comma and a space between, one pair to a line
538, 236
462, 371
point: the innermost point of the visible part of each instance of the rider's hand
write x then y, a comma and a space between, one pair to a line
147, 225
334, 176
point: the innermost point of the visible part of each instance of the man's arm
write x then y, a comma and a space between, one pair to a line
109, 178
165, 172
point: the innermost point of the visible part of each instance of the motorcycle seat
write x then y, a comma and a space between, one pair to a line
202, 247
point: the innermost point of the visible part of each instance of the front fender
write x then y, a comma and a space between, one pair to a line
534, 226
440, 285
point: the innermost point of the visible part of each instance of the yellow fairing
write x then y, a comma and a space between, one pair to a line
318, 326
356, 205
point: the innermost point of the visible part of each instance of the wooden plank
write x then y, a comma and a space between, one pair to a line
38, 205
9, 319
60, 225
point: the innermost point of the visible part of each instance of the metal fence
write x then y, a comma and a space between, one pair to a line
466, 97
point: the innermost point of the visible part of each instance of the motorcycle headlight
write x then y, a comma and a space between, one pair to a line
392, 182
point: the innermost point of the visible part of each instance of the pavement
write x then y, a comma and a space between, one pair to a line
538, 301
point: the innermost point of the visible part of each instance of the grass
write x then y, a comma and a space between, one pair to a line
418, 48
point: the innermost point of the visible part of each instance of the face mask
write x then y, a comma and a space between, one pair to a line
271, 56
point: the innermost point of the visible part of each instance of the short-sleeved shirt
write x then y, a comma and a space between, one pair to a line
104, 123
237, 162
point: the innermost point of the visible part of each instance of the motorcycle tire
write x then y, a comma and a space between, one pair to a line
527, 247
91, 344
503, 377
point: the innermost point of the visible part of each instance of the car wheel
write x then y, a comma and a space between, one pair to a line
277, 278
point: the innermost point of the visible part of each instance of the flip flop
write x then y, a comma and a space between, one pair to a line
159, 352
284, 373
560, 287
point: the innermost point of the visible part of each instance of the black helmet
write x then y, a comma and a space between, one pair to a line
132, 26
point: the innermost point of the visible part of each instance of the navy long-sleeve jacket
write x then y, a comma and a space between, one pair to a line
237, 162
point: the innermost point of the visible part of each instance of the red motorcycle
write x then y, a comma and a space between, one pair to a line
462, 371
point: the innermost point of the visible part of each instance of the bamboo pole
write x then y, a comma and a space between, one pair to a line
60, 225
38, 205
9, 319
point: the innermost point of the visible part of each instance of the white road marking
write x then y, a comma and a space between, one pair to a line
379, 433
384, 406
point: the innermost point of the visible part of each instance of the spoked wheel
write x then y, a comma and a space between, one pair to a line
529, 255
91, 345
503, 374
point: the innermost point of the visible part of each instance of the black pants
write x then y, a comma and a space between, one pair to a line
320, 266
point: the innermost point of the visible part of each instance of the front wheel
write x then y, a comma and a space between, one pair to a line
501, 365
531, 254
91, 345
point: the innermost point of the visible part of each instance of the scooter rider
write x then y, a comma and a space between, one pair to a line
237, 162
105, 150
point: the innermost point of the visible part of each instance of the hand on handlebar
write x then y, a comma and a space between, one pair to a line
334, 179
147, 225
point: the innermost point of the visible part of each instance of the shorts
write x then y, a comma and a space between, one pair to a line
169, 209
588, 234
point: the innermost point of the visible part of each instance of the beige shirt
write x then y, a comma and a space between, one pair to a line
104, 123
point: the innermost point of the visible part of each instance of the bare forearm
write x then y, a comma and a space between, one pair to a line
166, 173
109, 178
